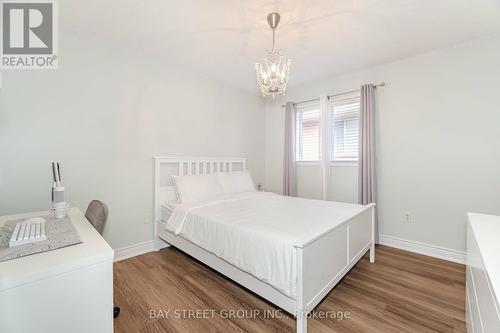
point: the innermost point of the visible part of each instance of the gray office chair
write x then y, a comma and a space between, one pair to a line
97, 214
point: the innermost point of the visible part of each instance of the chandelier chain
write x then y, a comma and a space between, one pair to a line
274, 39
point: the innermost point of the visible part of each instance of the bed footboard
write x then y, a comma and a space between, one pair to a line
323, 261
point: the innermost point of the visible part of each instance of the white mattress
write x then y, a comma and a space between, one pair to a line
256, 232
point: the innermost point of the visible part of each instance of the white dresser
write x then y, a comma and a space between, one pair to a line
64, 290
483, 273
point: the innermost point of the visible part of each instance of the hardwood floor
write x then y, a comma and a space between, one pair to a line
401, 292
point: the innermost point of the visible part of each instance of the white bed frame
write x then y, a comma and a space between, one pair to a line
321, 261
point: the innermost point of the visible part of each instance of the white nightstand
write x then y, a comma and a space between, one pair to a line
64, 290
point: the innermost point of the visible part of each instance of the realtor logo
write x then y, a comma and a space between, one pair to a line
29, 34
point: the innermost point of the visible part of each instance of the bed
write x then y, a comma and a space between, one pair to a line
263, 241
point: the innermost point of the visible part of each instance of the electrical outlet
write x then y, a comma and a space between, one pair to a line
407, 217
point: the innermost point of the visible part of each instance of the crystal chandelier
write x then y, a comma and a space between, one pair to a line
274, 69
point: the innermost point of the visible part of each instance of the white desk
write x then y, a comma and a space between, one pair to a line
64, 290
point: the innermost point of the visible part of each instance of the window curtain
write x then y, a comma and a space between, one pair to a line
289, 164
366, 163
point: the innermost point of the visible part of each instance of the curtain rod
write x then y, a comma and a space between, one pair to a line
381, 84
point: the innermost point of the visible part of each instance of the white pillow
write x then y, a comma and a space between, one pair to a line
172, 204
236, 182
197, 187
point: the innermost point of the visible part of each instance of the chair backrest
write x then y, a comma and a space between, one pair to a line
97, 214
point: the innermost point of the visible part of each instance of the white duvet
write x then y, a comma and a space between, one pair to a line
257, 232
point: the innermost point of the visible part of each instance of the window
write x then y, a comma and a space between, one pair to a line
308, 131
344, 128
342, 124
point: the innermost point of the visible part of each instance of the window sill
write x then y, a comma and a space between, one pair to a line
346, 163
308, 163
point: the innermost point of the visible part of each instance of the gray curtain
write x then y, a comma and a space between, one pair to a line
289, 165
366, 165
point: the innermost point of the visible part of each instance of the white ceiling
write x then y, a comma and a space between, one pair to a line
224, 38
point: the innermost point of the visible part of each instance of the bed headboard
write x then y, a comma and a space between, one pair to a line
180, 166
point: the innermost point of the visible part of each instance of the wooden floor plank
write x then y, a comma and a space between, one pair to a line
401, 292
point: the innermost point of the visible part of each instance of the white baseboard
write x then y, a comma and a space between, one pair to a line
400, 243
423, 248
133, 250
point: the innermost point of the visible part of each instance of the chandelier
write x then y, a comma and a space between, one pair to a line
274, 69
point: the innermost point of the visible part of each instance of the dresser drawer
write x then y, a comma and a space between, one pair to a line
482, 312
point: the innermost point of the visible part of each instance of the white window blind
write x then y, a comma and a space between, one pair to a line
308, 131
344, 128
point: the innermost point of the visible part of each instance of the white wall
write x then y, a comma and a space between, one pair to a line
438, 139
104, 114
342, 182
309, 181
